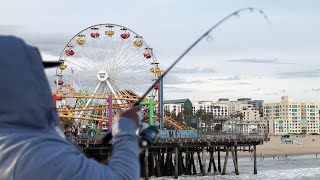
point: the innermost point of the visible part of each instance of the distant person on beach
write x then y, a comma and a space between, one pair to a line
33, 146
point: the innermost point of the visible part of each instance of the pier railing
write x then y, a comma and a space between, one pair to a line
176, 134
166, 134
185, 134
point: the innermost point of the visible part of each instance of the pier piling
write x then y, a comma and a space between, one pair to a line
203, 161
235, 163
146, 162
176, 174
225, 161
187, 162
176, 156
254, 159
219, 160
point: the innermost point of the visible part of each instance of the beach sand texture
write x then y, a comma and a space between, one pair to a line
274, 147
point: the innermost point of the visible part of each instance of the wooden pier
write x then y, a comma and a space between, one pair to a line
176, 156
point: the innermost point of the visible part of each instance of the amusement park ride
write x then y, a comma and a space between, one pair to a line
105, 68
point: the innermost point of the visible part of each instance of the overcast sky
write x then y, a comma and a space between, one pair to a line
247, 56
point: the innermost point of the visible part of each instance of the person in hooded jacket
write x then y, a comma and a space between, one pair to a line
32, 145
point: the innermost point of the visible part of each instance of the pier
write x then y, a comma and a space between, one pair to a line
175, 156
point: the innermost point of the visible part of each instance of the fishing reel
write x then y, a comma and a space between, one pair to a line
147, 134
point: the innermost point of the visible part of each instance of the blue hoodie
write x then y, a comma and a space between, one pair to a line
31, 146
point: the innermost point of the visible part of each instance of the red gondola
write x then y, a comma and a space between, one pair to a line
95, 35
125, 35
59, 82
147, 55
69, 52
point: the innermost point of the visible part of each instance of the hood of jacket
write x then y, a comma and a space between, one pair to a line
25, 97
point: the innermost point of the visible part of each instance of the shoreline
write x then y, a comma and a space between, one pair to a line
274, 147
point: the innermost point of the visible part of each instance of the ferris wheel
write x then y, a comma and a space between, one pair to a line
106, 59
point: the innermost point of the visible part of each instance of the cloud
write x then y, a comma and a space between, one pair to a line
51, 43
5, 29
196, 82
173, 79
258, 61
176, 89
300, 74
222, 91
231, 78
242, 83
315, 90
283, 91
272, 93
181, 70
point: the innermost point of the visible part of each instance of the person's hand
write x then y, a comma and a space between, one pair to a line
131, 113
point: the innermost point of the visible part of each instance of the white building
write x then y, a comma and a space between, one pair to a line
252, 121
292, 117
205, 105
241, 105
217, 110
250, 113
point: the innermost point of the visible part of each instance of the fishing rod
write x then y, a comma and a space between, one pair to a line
149, 134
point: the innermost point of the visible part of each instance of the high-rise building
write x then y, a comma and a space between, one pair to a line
290, 117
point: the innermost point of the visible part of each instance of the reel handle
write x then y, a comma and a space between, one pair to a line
146, 134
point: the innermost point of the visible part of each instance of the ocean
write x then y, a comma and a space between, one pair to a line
306, 167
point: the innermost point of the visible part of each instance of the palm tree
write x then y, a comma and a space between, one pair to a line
67, 123
167, 113
205, 117
238, 115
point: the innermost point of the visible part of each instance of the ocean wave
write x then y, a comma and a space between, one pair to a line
298, 173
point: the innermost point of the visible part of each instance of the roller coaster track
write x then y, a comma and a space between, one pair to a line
174, 123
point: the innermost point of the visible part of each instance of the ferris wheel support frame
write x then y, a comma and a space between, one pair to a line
110, 113
113, 91
88, 102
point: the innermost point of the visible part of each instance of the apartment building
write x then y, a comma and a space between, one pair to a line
252, 121
219, 114
242, 104
217, 110
290, 117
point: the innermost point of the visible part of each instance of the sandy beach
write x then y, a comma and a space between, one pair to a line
276, 148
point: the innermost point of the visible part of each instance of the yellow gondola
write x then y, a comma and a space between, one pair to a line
109, 33
63, 67
155, 70
81, 42
138, 43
